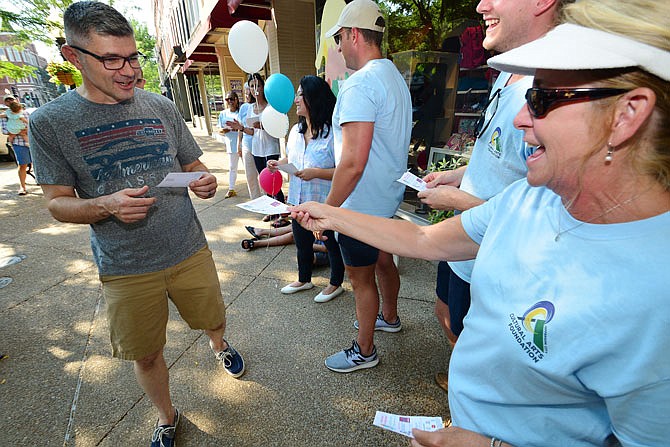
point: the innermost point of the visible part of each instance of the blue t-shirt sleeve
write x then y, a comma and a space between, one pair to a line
476, 220
365, 109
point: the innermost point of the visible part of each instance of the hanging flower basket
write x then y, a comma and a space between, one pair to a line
65, 78
64, 72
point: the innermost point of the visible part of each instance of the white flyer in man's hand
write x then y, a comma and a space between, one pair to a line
288, 168
264, 205
412, 181
405, 424
179, 179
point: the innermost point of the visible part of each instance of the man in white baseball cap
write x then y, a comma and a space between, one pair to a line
372, 123
363, 14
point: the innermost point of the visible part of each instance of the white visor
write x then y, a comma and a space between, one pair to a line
574, 47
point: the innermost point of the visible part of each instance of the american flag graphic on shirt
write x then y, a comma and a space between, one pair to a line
125, 150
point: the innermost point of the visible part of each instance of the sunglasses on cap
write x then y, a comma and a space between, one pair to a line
541, 100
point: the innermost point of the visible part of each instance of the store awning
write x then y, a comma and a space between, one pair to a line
214, 29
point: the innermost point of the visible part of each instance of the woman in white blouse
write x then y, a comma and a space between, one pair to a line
310, 149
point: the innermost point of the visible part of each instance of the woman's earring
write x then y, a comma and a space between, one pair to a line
610, 151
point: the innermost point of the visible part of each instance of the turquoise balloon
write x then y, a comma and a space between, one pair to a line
279, 92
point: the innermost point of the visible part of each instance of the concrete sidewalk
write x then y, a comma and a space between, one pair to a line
60, 385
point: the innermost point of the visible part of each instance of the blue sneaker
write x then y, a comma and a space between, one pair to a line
231, 360
351, 359
383, 325
164, 435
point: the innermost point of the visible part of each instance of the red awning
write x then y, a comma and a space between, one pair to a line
221, 17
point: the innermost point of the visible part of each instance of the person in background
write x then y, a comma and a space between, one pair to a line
147, 242
264, 146
245, 141
499, 156
17, 123
276, 237
19, 141
228, 136
559, 254
310, 150
372, 124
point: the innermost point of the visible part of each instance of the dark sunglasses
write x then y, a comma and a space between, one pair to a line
541, 100
492, 104
337, 37
230, 99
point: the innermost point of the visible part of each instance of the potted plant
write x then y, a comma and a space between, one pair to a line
63, 72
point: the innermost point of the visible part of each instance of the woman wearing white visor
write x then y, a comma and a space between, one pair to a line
566, 342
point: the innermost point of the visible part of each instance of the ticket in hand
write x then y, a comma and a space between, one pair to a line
412, 181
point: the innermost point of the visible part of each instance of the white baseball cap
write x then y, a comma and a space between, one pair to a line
363, 14
574, 47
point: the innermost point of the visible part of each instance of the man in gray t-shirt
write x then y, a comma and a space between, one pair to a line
102, 150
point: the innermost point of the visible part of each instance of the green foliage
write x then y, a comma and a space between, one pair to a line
29, 20
446, 164
424, 24
146, 44
14, 72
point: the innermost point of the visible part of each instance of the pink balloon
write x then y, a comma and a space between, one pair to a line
270, 181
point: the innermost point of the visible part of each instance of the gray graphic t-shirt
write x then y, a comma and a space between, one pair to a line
103, 148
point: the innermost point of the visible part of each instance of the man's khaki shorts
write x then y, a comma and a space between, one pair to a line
137, 305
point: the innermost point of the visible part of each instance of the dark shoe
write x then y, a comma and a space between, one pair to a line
442, 380
281, 222
164, 435
231, 360
248, 244
252, 231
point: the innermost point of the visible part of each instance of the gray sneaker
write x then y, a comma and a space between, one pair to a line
351, 359
383, 325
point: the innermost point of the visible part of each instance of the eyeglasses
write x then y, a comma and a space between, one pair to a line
337, 37
541, 100
116, 62
230, 99
492, 104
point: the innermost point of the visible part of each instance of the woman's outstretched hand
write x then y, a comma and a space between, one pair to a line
313, 216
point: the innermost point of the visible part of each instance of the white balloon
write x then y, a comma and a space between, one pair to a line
275, 123
248, 46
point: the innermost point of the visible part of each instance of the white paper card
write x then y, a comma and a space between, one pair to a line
412, 181
253, 119
288, 168
405, 424
264, 205
179, 179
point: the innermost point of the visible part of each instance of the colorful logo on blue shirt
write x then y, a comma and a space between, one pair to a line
495, 147
530, 330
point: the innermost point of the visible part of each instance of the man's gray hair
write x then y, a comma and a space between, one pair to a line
82, 18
